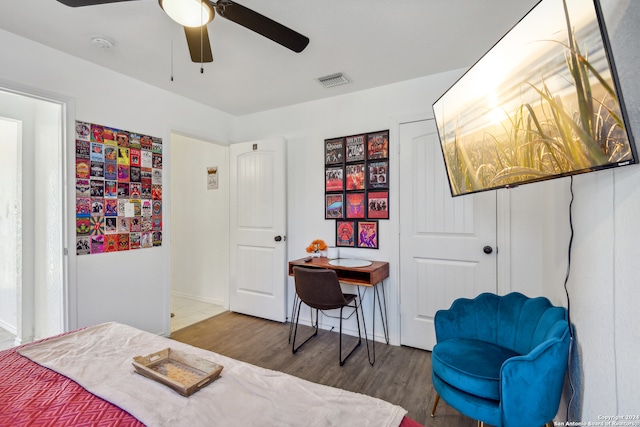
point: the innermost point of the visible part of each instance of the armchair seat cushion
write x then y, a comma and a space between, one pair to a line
472, 365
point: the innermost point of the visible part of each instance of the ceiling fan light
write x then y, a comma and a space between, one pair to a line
188, 13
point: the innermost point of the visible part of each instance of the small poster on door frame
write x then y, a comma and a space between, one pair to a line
212, 178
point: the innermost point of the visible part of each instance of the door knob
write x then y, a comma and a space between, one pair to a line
278, 238
487, 250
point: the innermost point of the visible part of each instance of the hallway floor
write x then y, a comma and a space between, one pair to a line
7, 339
188, 311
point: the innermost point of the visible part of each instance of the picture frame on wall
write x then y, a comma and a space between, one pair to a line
355, 148
378, 205
378, 175
378, 145
345, 233
334, 151
367, 235
357, 186
334, 179
354, 177
334, 206
355, 205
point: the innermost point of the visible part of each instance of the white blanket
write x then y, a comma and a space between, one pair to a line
99, 359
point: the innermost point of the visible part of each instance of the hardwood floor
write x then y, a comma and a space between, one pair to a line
401, 375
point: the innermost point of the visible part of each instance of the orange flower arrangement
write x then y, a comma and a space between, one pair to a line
317, 246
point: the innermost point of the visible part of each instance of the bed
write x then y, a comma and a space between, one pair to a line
85, 377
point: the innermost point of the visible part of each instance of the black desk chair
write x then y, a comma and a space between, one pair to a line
320, 289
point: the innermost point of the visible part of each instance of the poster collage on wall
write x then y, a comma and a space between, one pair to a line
118, 190
357, 187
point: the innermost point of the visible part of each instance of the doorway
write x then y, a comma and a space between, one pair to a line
33, 216
10, 170
199, 229
447, 245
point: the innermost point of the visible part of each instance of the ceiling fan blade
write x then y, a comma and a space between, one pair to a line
262, 25
200, 52
79, 3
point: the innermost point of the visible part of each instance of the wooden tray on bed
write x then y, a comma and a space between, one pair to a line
183, 372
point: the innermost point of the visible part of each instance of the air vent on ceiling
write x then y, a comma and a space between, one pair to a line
334, 80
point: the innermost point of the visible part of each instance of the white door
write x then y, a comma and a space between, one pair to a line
258, 270
442, 239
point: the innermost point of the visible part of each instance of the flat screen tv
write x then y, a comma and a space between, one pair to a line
543, 103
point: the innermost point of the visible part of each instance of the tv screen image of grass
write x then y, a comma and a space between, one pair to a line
542, 103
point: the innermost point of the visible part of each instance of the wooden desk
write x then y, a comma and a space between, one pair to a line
361, 276
367, 277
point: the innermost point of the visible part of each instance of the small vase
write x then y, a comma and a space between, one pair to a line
315, 254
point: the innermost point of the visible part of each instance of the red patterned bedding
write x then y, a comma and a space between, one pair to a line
34, 395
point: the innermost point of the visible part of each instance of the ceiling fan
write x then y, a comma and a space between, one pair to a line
194, 15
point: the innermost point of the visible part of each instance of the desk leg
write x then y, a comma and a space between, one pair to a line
364, 326
383, 311
382, 305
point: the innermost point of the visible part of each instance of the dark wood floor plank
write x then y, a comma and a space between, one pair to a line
401, 375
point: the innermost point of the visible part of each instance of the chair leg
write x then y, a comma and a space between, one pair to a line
435, 405
294, 349
293, 315
342, 361
480, 423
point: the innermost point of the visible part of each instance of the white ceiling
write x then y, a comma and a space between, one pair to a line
373, 42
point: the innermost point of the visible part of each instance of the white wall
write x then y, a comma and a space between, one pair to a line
130, 287
49, 208
604, 283
199, 221
10, 133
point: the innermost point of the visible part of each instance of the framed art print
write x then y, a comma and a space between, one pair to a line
345, 233
378, 205
355, 148
334, 206
378, 175
334, 179
378, 145
354, 177
334, 151
367, 234
355, 205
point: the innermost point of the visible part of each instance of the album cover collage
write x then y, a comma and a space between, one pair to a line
118, 190
357, 187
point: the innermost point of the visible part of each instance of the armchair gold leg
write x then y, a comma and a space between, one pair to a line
480, 423
435, 404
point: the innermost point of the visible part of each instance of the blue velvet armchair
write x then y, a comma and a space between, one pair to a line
501, 360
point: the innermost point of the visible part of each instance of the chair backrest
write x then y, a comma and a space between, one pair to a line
513, 321
318, 288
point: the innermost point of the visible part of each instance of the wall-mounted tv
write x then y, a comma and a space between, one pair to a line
543, 103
